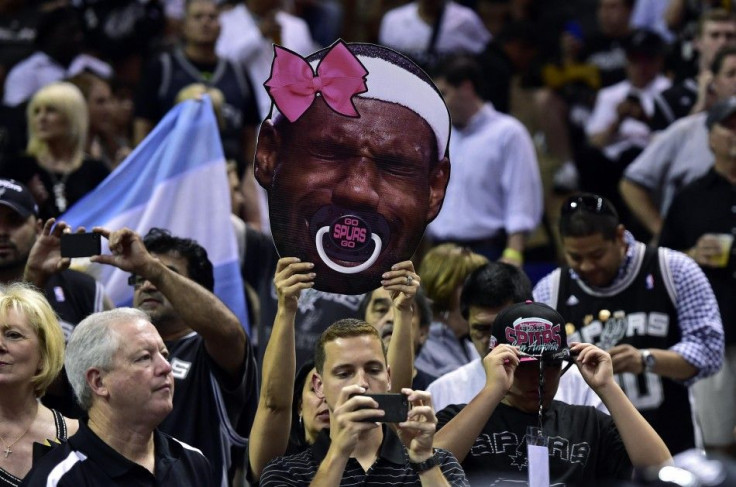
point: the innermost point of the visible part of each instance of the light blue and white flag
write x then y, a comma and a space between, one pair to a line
175, 179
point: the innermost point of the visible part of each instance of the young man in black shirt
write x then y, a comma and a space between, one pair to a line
350, 362
489, 434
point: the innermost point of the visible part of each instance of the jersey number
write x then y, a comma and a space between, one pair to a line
644, 391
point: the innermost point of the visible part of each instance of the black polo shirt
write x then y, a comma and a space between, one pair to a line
86, 460
707, 205
390, 468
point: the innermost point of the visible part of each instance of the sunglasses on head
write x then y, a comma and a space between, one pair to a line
588, 202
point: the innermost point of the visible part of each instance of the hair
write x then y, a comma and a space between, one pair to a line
584, 223
93, 344
457, 69
195, 90
420, 300
297, 438
26, 300
443, 269
85, 81
494, 285
713, 15
50, 20
345, 328
200, 270
717, 64
69, 101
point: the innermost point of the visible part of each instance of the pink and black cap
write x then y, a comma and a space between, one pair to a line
536, 328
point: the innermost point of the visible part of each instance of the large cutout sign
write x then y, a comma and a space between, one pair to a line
354, 159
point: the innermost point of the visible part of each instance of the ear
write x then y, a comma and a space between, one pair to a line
388, 375
423, 334
438, 179
96, 381
267, 149
318, 385
621, 235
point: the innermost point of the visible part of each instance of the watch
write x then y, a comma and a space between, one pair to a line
427, 464
648, 360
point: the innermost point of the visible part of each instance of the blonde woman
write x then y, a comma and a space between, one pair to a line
31, 356
443, 271
55, 167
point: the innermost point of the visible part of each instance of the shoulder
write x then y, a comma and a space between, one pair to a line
61, 466
292, 467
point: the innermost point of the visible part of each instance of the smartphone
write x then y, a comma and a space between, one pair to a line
395, 407
80, 244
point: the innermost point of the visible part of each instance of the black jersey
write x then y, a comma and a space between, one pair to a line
640, 311
584, 445
208, 405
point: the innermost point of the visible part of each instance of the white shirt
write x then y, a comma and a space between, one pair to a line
461, 30
675, 157
241, 41
632, 133
461, 385
494, 180
39, 70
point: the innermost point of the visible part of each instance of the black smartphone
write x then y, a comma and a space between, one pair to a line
395, 407
80, 244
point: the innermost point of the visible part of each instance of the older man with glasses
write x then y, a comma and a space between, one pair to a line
651, 308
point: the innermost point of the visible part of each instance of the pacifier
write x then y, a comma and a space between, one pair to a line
348, 236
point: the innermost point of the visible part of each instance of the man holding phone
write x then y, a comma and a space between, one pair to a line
351, 362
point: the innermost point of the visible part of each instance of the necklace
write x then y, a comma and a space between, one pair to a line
59, 189
7, 446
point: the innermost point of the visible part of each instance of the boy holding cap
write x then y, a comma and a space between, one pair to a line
489, 435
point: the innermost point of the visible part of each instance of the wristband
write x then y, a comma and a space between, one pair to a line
427, 464
512, 254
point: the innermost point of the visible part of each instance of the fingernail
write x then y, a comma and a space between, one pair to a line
310, 264
312, 274
394, 267
384, 275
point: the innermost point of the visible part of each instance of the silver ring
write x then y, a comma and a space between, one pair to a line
409, 280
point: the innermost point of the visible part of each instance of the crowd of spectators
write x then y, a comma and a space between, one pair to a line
623, 109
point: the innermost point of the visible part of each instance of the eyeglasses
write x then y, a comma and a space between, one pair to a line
589, 202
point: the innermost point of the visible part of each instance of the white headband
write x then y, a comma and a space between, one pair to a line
391, 83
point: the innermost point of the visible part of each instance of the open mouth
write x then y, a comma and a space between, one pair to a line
348, 241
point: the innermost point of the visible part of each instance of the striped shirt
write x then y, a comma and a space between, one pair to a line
390, 468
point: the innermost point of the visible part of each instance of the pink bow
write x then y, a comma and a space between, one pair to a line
293, 85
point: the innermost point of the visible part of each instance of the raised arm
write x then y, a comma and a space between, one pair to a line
461, 432
643, 445
400, 354
45, 258
201, 310
269, 436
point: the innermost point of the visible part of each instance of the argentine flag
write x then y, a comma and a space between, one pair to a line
175, 179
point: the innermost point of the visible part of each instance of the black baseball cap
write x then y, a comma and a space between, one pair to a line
645, 42
721, 111
536, 328
16, 196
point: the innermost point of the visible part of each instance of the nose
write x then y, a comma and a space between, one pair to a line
362, 380
386, 319
358, 188
165, 365
586, 266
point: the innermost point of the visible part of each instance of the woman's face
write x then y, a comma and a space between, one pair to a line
20, 354
49, 123
314, 412
99, 105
